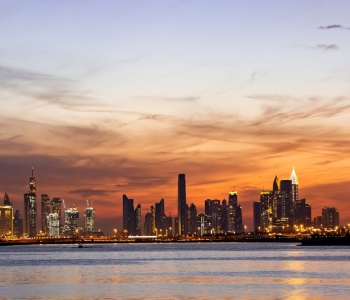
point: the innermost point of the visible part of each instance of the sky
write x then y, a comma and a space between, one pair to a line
105, 98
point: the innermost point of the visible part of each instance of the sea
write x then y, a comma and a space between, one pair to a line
175, 271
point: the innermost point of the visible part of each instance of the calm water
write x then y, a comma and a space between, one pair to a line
174, 271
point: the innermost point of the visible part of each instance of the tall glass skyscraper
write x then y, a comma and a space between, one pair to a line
30, 208
89, 219
182, 206
45, 211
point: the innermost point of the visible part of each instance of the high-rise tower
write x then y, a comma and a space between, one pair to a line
7, 201
89, 219
30, 208
294, 179
45, 211
232, 210
181, 202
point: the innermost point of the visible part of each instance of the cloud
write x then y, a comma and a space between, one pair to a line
334, 27
45, 88
327, 47
90, 192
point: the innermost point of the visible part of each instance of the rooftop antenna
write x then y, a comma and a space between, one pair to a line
32, 172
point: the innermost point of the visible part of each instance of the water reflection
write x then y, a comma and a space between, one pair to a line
196, 271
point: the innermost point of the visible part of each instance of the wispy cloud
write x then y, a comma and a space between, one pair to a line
327, 47
334, 27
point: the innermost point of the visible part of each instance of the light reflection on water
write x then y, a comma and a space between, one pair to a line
174, 271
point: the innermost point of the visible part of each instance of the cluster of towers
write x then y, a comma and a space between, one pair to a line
219, 217
51, 217
281, 210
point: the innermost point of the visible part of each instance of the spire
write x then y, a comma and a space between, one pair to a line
294, 177
276, 184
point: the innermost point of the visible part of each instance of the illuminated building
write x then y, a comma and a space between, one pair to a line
71, 222
57, 209
17, 224
138, 220
266, 200
213, 209
6, 216
203, 224
45, 211
53, 225
286, 199
294, 179
182, 206
89, 219
30, 208
302, 213
257, 216
330, 217
232, 210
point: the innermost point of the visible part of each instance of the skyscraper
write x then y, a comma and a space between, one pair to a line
30, 208
17, 224
129, 217
182, 206
7, 201
138, 223
71, 221
89, 219
257, 216
53, 225
159, 215
45, 211
294, 178
6, 224
286, 199
232, 209
330, 217
57, 209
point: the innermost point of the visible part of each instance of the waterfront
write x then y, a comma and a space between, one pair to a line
174, 271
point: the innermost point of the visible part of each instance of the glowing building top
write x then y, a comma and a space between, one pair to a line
293, 177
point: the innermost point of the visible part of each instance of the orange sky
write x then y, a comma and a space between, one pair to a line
122, 97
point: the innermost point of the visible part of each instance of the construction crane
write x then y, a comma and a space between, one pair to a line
89, 204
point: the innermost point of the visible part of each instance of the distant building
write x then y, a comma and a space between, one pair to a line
239, 219
192, 224
57, 209
159, 215
30, 208
232, 211
148, 225
295, 183
330, 217
89, 219
6, 218
7, 201
257, 216
45, 211
71, 222
182, 206
53, 225
203, 223
17, 224
138, 220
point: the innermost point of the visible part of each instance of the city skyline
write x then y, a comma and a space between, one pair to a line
119, 97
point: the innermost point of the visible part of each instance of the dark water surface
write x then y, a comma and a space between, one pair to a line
175, 271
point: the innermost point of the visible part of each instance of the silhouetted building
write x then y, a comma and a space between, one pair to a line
30, 208
330, 217
89, 219
6, 220
45, 211
239, 219
192, 229
148, 226
257, 216
129, 220
318, 222
224, 216
232, 209
213, 210
7, 201
159, 216
17, 224
302, 213
308, 219
176, 225
138, 220
182, 206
